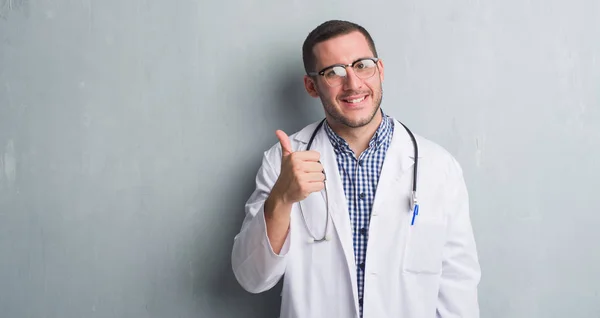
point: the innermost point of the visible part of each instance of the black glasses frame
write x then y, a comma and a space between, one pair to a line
322, 72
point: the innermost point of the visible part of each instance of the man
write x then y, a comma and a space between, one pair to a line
338, 220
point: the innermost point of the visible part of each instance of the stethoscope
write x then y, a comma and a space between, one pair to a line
415, 204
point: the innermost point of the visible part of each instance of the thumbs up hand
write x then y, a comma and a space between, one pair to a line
301, 172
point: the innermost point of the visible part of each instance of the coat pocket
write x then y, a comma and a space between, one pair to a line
425, 246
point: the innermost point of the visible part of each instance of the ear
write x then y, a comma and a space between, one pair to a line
380, 65
311, 86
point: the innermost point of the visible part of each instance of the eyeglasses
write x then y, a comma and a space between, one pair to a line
334, 75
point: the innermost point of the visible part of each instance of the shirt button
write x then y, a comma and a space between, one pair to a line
362, 195
363, 231
362, 266
360, 301
360, 163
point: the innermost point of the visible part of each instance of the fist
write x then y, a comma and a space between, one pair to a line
301, 172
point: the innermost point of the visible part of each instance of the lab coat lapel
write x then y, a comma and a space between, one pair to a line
396, 171
338, 206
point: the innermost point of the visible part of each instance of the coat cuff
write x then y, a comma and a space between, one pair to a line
258, 268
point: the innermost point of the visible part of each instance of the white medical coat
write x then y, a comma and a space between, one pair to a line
430, 269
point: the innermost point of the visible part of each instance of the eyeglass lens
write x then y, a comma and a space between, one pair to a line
363, 69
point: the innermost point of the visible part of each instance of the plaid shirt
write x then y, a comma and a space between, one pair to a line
359, 178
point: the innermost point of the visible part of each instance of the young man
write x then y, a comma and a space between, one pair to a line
339, 220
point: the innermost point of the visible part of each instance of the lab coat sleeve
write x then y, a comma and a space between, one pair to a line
255, 265
460, 268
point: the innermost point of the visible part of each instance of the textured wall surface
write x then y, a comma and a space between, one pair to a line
130, 133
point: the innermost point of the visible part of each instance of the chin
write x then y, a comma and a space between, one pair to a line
356, 119
354, 111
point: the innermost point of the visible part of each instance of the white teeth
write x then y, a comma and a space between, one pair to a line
358, 100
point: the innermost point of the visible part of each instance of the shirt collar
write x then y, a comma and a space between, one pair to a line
378, 139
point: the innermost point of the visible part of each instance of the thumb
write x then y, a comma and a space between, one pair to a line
284, 140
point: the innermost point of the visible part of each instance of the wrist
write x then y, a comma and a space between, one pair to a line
276, 206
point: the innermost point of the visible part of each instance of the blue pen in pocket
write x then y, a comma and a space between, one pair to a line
415, 205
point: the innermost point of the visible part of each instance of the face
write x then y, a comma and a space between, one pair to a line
355, 102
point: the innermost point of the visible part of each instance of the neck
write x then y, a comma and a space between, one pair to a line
357, 138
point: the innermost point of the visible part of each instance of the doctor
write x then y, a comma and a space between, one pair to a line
338, 222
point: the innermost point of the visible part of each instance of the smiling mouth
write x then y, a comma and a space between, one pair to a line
355, 100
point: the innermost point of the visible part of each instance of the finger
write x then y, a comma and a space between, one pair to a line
310, 155
313, 177
316, 177
284, 140
316, 186
310, 166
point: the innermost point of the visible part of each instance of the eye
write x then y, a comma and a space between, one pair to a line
363, 64
335, 72
330, 73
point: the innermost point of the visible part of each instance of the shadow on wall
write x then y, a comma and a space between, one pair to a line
295, 108
291, 108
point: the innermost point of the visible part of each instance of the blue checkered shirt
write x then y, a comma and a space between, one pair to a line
359, 178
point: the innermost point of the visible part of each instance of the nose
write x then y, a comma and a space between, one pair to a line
352, 81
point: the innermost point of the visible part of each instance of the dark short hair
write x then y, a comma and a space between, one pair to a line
326, 31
